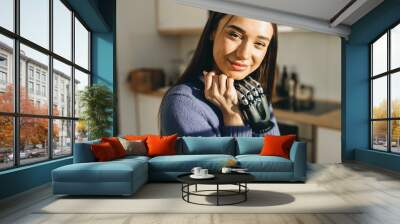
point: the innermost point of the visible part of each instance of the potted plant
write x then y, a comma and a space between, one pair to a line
96, 102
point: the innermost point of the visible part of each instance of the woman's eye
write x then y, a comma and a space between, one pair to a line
258, 44
234, 35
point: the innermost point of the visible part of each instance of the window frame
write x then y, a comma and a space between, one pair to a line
388, 74
3, 69
16, 115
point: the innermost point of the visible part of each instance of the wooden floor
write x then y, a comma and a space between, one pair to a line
353, 182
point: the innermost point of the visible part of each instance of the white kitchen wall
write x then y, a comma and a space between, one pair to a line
316, 58
186, 45
138, 45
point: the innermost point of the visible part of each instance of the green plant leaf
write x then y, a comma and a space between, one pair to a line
96, 102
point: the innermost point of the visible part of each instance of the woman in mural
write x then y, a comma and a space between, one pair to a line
221, 92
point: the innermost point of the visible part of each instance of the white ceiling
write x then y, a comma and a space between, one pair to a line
320, 9
314, 15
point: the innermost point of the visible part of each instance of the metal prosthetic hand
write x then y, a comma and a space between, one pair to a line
254, 105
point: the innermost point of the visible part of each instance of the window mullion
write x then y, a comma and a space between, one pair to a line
371, 89
389, 76
73, 82
50, 81
16, 83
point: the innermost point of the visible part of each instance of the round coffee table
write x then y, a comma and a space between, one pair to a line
238, 179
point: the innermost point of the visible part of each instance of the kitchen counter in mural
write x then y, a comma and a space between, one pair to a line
320, 113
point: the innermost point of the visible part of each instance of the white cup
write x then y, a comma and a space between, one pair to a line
196, 171
203, 172
226, 170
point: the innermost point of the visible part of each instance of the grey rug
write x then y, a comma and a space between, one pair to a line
166, 198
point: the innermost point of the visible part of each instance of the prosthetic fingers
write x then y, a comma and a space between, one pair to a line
254, 105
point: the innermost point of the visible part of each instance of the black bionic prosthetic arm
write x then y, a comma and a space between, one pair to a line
254, 105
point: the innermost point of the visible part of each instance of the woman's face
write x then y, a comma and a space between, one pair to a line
240, 45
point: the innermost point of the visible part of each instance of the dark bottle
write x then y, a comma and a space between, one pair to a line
283, 86
293, 82
293, 85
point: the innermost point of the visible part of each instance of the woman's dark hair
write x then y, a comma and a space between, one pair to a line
203, 58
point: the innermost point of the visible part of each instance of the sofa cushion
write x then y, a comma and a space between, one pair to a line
103, 152
161, 145
185, 163
83, 152
249, 145
135, 137
112, 171
257, 163
134, 147
208, 145
116, 145
133, 158
277, 145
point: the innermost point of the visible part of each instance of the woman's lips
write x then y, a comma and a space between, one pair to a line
238, 66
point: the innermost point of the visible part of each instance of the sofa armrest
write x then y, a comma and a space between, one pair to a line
298, 155
83, 152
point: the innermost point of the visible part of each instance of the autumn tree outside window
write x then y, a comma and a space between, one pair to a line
44, 64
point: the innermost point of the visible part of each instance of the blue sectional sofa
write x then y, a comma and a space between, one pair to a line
125, 176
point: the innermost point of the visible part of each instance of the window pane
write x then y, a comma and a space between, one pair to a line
81, 81
33, 139
34, 97
379, 100
379, 135
6, 142
81, 45
7, 14
395, 94
62, 138
395, 47
62, 29
62, 89
81, 131
379, 55
35, 21
6, 74
395, 138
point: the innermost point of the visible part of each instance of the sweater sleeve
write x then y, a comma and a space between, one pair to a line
179, 114
237, 131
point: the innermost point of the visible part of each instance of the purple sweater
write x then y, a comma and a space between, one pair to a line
187, 112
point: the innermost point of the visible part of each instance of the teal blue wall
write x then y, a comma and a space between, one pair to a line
381, 159
24, 178
99, 15
103, 64
103, 55
92, 12
102, 59
355, 85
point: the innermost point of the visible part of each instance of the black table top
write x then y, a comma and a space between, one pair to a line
220, 178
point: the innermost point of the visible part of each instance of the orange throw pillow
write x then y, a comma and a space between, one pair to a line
103, 151
116, 145
161, 145
277, 145
135, 137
